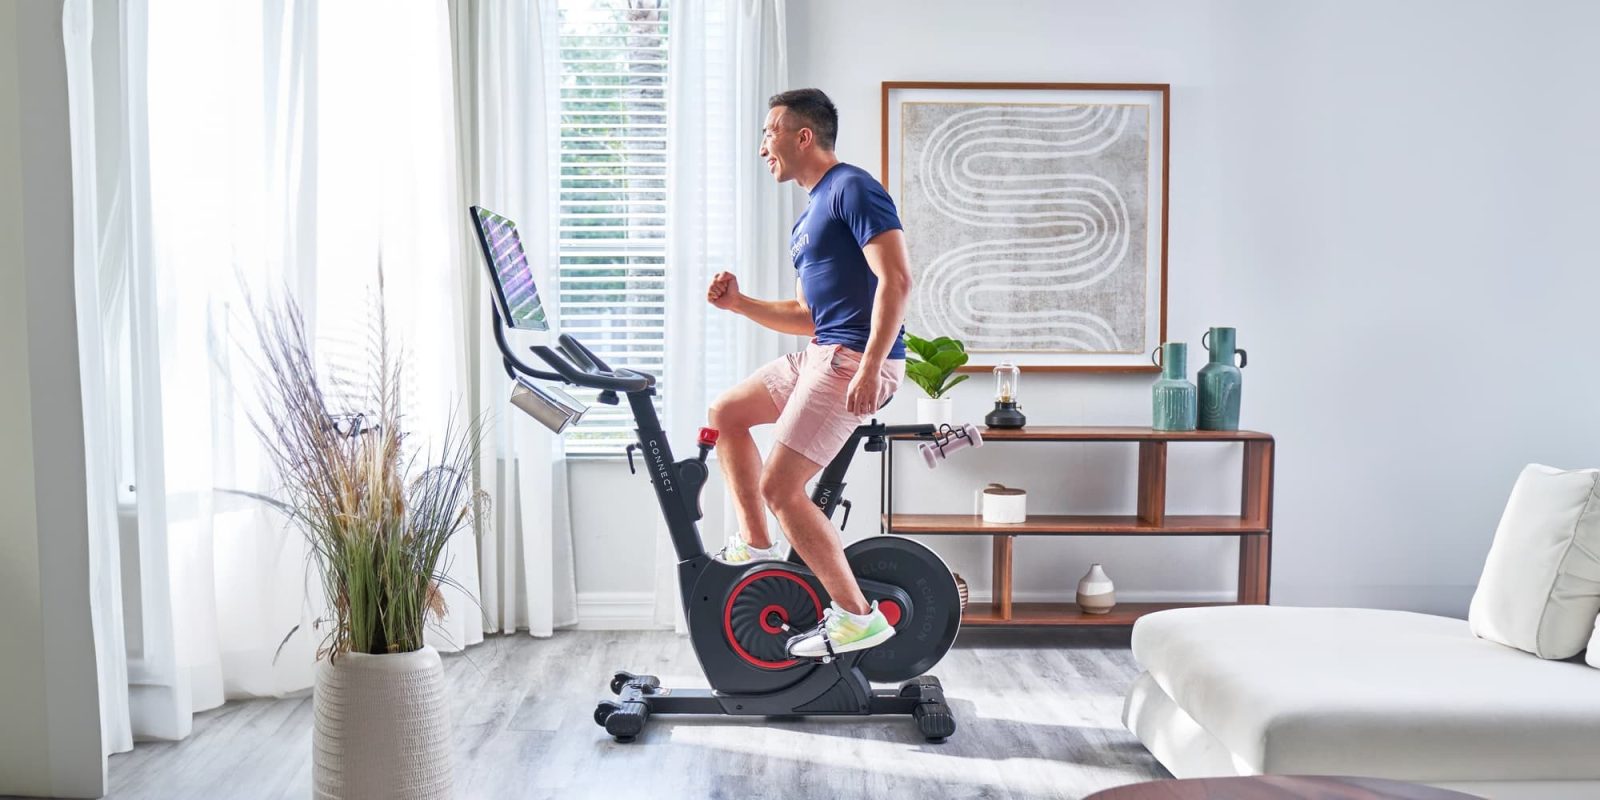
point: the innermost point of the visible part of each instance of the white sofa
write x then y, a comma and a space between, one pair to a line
1252, 690
1497, 705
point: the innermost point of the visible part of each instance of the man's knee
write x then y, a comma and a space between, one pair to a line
780, 491
726, 415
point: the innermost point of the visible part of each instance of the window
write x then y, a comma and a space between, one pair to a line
613, 198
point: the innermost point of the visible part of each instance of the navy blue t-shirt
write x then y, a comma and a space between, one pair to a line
848, 208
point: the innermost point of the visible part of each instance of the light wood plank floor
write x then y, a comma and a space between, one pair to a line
1039, 716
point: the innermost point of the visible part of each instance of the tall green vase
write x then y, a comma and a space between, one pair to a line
1220, 381
1173, 396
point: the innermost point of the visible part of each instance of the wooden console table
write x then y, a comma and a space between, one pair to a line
1253, 524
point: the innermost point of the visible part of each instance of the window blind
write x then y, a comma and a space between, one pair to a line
613, 204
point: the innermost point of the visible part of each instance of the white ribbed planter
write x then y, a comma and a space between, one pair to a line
382, 729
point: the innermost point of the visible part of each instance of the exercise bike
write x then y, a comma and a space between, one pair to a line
741, 616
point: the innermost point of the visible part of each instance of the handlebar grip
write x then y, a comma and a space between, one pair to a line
567, 340
625, 381
576, 356
568, 372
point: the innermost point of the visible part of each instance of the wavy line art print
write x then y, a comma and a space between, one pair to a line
1034, 220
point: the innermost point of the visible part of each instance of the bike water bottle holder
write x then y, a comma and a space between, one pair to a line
689, 475
692, 474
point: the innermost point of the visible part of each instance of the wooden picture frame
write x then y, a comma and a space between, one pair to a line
1053, 231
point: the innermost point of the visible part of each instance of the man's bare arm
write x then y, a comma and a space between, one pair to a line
783, 316
886, 255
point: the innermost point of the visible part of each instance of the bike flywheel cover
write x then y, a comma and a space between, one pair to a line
924, 632
757, 609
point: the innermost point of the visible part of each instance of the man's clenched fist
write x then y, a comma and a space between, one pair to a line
723, 291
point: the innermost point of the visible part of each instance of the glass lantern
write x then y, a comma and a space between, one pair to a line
1007, 411
1006, 378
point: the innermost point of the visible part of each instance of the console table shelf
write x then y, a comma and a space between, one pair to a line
1253, 524
1055, 614
1092, 433
1075, 525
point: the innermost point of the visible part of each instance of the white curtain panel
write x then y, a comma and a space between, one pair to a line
225, 151
724, 213
506, 82
100, 253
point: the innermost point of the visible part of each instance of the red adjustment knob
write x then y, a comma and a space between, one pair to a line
708, 437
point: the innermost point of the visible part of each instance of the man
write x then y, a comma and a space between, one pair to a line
850, 297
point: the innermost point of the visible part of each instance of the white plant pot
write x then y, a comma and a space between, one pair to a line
934, 412
382, 729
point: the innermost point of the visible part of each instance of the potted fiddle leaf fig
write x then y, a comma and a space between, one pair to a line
932, 364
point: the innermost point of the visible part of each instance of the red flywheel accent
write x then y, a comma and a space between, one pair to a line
766, 613
891, 611
733, 596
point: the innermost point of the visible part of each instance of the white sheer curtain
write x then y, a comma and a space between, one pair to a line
724, 212
225, 150
506, 78
100, 252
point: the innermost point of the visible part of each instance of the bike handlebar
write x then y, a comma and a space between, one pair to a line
590, 372
583, 369
587, 355
577, 357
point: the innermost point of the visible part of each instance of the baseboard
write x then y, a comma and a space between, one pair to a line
617, 611
636, 611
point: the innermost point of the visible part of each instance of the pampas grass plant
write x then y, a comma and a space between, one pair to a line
378, 520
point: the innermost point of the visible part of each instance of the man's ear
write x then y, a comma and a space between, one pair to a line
808, 137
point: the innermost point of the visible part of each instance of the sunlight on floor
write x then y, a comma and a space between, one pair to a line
906, 759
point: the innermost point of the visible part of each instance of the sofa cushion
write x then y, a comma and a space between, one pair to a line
1540, 588
1368, 692
1593, 656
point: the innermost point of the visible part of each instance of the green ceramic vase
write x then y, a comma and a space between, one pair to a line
1221, 381
1173, 396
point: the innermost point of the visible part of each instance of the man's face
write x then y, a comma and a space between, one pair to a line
780, 145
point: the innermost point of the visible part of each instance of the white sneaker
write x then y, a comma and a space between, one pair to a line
738, 551
842, 632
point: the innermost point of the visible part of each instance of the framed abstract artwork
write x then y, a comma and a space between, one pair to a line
1036, 219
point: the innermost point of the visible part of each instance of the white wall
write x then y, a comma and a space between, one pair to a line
49, 707
1390, 201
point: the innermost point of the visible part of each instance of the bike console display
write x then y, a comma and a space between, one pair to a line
514, 292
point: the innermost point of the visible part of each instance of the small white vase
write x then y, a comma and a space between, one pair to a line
1096, 595
382, 729
934, 412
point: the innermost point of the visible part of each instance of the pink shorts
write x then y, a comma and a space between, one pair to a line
809, 389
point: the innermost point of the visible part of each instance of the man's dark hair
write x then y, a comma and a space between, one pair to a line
814, 110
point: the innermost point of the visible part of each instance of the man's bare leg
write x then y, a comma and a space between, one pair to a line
783, 486
733, 415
